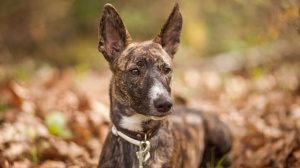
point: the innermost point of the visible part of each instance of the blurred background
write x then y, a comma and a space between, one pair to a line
237, 58
63, 33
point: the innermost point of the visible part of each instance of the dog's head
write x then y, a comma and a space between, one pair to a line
142, 71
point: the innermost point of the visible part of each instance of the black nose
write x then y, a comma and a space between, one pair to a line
163, 104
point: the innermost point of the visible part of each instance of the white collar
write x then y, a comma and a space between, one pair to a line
125, 137
130, 140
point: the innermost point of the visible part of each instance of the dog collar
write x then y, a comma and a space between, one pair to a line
134, 137
127, 138
144, 145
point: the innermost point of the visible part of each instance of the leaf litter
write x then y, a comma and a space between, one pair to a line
60, 118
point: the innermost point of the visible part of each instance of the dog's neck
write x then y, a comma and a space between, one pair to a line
125, 117
135, 122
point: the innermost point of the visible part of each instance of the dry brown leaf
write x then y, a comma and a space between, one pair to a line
296, 154
103, 131
100, 112
22, 164
94, 146
14, 151
236, 87
53, 164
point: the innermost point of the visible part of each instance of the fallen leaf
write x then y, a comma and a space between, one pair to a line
53, 164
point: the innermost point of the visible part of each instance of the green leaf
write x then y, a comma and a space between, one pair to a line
56, 123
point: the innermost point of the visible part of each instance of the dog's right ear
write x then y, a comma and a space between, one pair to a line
113, 35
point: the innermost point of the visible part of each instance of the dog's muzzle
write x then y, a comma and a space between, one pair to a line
163, 104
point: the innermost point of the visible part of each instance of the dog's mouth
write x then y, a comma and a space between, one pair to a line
160, 116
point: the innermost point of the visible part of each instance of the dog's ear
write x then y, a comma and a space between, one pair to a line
169, 36
113, 35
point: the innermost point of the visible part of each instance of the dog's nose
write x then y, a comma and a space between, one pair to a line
163, 104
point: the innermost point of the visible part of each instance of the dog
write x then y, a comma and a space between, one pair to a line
147, 131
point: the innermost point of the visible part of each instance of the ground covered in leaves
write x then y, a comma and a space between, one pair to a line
60, 118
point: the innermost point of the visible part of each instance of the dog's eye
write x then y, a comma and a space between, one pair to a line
135, 71
167, 70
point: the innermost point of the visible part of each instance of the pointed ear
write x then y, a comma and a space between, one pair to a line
113, 35
169, 36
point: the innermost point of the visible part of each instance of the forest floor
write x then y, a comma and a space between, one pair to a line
60, 118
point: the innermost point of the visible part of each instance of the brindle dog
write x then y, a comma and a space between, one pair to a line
141, 103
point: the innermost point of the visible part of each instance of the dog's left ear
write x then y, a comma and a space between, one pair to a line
169, 36
113, 35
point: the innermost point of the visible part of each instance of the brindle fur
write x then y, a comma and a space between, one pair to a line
183, 137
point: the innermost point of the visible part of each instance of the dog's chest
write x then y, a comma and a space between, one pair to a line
119, 153
178, 143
